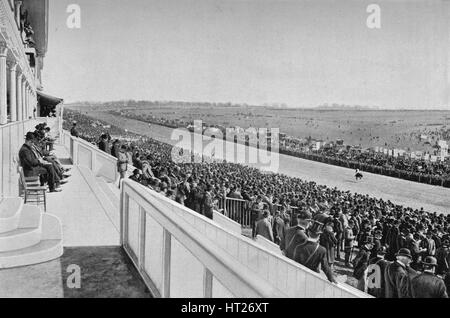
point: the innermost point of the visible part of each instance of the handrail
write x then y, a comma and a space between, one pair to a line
239, 280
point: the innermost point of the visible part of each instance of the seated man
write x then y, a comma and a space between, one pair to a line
34, 165
40, 147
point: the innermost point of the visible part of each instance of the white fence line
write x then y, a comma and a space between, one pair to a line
199, 253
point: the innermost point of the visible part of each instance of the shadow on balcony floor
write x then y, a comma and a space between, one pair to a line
106, 272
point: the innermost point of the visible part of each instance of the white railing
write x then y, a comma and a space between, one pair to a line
175, 259
88, 155
180, 253
279, 272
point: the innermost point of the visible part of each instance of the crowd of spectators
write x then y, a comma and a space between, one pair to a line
414, 169
396, 247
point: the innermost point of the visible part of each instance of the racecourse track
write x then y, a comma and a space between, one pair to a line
413, 194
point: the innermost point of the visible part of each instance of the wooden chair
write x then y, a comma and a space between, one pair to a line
33, 192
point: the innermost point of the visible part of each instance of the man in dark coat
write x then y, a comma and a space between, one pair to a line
297, 234
33, 165
310, 254
427, 284
397, 276
208, 205
328, 240
103, 145
74, 131
447, 281
375, 274
392, 241
339, 230
376, 244
361, 263
443, 257
279, 228
137, 175
115, 148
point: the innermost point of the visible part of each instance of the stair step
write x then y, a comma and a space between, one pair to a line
44, 251
9, 207
27, 234
10, 211
49, 247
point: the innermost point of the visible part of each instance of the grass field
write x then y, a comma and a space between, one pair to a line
368, 128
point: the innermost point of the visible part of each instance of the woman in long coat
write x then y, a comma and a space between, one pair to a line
329, 241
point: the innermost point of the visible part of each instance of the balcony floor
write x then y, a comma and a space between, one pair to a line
84, 219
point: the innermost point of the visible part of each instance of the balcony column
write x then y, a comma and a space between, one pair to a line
12, 90
17, 6
24, 100
27, 90
34, 104
19, 102
3, 86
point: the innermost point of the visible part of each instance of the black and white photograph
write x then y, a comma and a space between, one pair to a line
224, 149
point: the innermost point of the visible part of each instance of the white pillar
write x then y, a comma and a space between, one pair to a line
29, 114
12, 90
19, 96
3, 86
24, 100
32, 104
25, 97
17, 6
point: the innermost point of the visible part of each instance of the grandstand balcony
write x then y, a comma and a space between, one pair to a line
21, 62
153, 239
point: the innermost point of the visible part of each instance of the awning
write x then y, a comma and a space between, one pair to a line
47, 103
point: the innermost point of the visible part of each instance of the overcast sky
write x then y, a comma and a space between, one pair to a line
303, 53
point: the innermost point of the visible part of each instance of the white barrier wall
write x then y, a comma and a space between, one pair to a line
227, 223
268, 245
281, 273
87, 155
175, 259
165, 239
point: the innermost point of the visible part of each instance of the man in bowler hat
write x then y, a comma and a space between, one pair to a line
427, 284
297, 234
312, 255
398, 274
